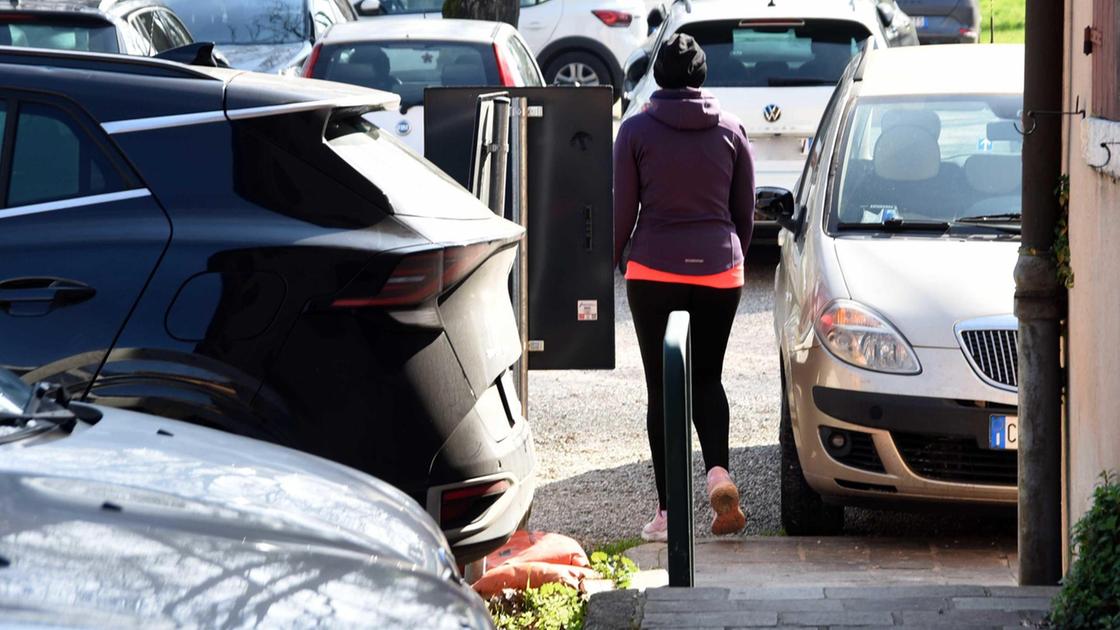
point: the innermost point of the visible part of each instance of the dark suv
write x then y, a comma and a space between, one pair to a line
945, 21
248, 253
133, 27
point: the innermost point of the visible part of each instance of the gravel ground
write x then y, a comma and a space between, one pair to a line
595, 476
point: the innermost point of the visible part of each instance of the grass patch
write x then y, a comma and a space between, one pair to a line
1009, 20
619, 547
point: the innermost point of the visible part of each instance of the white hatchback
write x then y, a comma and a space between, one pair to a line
408, 56
772, 64
576, 42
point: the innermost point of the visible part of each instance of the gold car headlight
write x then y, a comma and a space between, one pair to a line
857, 335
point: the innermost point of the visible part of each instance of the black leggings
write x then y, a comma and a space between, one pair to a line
712, 313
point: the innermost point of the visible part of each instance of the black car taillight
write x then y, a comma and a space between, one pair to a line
418, 278
613, 18
460, 506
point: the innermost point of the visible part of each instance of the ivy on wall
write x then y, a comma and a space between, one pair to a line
1060, 248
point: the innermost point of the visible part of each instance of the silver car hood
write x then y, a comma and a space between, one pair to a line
267, 58
161, 521
924, 286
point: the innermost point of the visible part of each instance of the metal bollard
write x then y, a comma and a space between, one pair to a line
677, 373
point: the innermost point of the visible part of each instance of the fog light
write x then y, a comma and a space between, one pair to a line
838, 440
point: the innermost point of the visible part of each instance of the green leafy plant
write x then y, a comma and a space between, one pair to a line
615, 567
1062, 254
1090, 595
549, 607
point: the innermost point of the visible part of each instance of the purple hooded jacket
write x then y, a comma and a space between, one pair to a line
688, 166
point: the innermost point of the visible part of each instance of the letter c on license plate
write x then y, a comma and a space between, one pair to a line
1003, 433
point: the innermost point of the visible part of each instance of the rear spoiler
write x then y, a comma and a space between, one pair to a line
349, 106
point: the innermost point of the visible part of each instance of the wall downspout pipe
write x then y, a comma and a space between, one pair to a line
1040, 301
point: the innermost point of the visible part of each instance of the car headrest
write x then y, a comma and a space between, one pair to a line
907, 153
994, 174
923, 118
463, 75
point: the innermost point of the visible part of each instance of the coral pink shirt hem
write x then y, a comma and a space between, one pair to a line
730, 279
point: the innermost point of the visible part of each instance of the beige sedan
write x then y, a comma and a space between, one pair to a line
894, 292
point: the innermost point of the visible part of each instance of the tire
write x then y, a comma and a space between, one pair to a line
579, 68
803, 511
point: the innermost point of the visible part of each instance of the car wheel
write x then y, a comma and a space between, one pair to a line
578, 69
804, 513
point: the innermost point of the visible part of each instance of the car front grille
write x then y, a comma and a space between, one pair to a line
994, 355
957, 459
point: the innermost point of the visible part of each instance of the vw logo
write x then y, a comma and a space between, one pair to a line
771, 113
404, 128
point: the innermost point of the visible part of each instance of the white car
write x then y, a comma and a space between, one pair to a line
407, 56
576, 42
894, 295
113, 519
772, 64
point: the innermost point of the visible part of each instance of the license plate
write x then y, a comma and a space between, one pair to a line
919, 21
1003, 433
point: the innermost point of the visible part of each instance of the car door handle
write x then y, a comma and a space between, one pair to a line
27, 297
535, 25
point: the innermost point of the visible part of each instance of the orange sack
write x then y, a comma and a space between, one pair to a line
530, 575
526, 546
531, 559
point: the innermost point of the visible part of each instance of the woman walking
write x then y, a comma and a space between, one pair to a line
684, 201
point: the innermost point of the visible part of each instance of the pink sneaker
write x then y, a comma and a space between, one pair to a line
657, 530
724, 497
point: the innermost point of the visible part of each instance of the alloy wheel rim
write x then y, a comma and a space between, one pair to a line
576, 74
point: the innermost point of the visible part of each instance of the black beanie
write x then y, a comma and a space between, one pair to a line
680, 63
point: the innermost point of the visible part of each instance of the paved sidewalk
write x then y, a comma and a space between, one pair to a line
832, 583
805, 561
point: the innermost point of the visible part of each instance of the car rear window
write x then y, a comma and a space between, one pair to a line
42, 32
775, 53
407, 67
404, 7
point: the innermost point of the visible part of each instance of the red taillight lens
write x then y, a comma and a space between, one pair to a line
968, 32
459, 506
309, 67
613, 18
420, 277
505, 77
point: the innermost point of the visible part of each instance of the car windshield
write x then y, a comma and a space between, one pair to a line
404, 7
407, 67
933, 159
232, 22
32, 32
768, 53
14, 393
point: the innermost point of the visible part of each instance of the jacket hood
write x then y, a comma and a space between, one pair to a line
687, 110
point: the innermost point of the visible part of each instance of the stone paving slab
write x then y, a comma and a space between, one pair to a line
842, 561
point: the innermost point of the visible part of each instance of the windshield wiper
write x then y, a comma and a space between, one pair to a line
898, 225
1006, 217
799, 82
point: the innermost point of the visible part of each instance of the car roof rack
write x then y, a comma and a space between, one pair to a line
123, 64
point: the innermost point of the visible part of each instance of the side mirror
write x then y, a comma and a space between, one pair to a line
635, 70
196, 54
656, 19
368, 8
886, 13
776, 204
